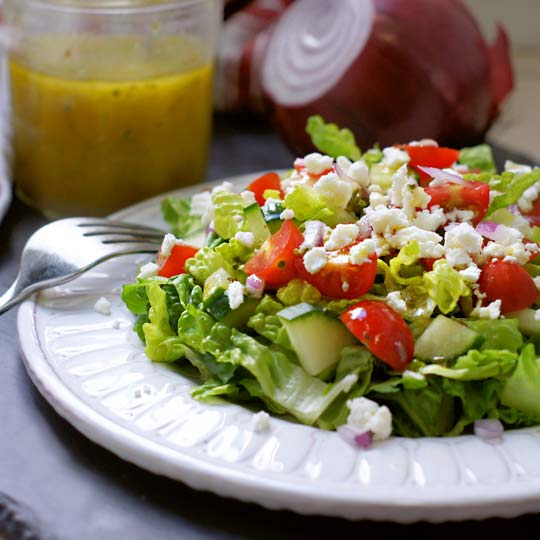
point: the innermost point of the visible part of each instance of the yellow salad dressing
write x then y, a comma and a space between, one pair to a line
101, 123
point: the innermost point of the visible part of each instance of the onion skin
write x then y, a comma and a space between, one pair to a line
425, 72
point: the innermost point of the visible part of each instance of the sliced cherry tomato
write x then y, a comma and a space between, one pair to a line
508, 282
269, 180
339, 278
467, 196
533, 216
430, 156
174, 264
428, 263
275, 260
382, 331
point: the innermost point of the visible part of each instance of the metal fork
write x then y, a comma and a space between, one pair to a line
65, 249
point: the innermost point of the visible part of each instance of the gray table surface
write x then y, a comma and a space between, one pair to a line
56, 484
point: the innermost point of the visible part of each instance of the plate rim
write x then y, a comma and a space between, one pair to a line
512, 501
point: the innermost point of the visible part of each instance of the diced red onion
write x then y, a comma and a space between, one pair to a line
354, 437
255, 285
487, 229
488, 428
371, 66
440, 174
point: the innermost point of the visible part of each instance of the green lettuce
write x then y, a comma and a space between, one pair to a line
331, 140
445, 286
267, 324
522, 389
307, 204
298, 291
476, 365
228, 213
176, 212
478, 157
501, 334
282, 383
403, 268
205, 262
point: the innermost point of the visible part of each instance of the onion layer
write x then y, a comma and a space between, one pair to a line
390, 70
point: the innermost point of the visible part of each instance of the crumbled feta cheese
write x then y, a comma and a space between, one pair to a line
492, 311
459, 216
430, 220
202, 206
517, 252
245, 238
537, 282
471, 273
377, 199
506, 235
249, 197
287, 214
463, 236
525, 202
148, 270
169, 241
359, 173
315, 259
361, 252
334, 189
103, 306
341, 236
224, 186
261, 422
424, 142
235, 292
428, 241
394, 157
458, 257
386, 220
406, 193
317, 163
396, 302
366, 415
343, 163
537, 315
117, 323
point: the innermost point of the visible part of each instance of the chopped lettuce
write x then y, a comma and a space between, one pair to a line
228, 213
307, 204
445, 286
501, 334
331, 140
298, 291
478, 157
176, 212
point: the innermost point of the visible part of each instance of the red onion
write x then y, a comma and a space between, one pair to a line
354, 437
488, 429
445, 176
487, 229
255, 286
391, 70
313, 234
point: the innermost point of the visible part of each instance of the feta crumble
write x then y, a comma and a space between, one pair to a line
261, 422
248, 197
342, 236
396, 302
103, 306
366, 415
334, 189
394, 157
315, 259
361, 252
235, 292
287, 214
148, 270
492, 311
202, 206
317, 163
245, 238
169, 241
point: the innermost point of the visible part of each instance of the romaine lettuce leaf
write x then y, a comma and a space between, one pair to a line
307, 204
478, 157
298, 291
445, 286
228, 213
331, 140
501, 334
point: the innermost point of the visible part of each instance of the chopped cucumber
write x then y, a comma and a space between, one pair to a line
316, 336
218, 281
254, 222
217, 305
527, 321
444, 338
272, 212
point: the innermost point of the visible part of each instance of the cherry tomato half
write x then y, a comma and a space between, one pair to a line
508, 282
467, 196
430, 156
339, 278
269, 180
174, 264
382, 331
275, 260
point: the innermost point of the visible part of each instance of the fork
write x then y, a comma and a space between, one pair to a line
65, 249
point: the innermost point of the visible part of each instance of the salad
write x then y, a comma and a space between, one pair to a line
394, 291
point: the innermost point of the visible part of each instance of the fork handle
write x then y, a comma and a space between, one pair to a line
12, 297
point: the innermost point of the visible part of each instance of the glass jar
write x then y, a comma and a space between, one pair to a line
111, 99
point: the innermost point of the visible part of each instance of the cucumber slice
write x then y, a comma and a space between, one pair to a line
444, 339
217, 306
254, 223
528, 324
316, 337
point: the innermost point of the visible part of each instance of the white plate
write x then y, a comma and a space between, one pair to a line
93, 371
